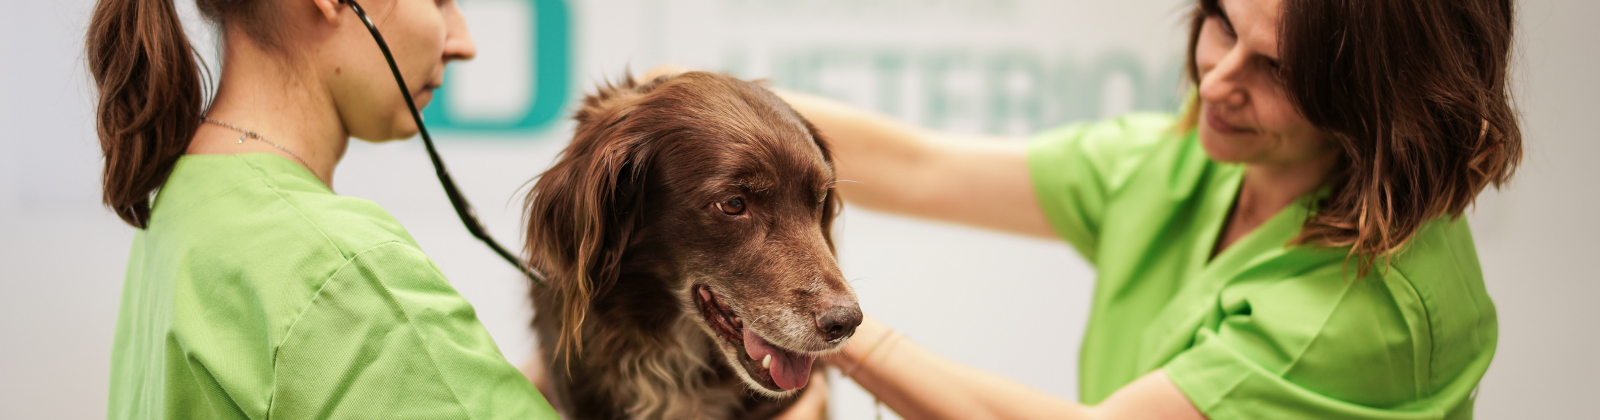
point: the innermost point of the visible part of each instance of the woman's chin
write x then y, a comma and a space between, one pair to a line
386, 140
404, 129
407, 131
1221, 148
423, 99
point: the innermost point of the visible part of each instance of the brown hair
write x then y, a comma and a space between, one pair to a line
151, 96
1414, 92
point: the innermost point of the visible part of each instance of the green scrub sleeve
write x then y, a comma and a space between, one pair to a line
388, 337
1326, 346
1077, 169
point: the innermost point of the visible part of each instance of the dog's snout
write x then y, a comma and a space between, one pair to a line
839, 321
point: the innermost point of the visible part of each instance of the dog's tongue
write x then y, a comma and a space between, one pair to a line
790, 371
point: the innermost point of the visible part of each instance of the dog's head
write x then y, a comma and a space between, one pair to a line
715, 187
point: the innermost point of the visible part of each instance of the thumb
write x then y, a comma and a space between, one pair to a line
813, 402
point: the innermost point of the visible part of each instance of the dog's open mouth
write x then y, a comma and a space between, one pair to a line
773, 367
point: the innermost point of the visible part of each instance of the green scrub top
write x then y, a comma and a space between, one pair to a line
1264, 330
258, 293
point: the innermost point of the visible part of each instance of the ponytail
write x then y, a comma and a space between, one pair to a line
150, 99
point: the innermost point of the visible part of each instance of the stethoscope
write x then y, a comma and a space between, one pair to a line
463, 208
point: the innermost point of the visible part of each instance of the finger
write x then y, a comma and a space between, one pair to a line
813, 402
663, 70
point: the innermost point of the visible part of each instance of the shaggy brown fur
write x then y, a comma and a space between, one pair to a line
688, 218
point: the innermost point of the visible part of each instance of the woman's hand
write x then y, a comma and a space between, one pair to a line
662, 70
534, 370
813, 402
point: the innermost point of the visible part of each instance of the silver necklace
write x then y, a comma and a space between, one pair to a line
254, 135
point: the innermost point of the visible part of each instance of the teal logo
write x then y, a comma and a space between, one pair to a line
540, 100
996, 90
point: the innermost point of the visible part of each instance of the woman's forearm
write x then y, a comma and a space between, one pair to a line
879, 161
890, 166
919, 384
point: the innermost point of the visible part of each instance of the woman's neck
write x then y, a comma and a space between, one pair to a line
286, 104
1267, 189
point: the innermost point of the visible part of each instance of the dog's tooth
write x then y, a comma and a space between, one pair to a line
766, 362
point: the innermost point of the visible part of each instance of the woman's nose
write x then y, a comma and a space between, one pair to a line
458, 43
1222, 84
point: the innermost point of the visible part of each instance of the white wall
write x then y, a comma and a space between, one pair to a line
1010, 305
1539, 242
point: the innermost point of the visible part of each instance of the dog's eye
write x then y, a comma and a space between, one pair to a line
733, 206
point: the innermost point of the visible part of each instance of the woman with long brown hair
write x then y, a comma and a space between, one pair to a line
1290, 247
254, 291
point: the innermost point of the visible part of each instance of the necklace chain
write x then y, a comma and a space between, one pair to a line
254, 135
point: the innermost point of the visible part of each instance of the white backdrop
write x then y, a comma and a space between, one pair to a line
1010, 305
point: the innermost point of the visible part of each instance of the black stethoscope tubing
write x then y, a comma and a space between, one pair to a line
463, 208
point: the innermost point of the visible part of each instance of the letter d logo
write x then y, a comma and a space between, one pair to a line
520, 81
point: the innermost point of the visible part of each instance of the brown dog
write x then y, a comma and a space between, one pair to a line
685, 234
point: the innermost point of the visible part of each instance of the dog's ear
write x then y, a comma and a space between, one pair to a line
832, 204
583, 210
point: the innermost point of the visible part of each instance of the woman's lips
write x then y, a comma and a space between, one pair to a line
426, 95
429, 88
1221, 127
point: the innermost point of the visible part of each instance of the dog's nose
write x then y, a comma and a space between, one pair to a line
839, 321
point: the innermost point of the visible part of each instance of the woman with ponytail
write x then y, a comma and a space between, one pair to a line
254, 291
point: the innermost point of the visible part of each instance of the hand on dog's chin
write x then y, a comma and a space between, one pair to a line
813, 401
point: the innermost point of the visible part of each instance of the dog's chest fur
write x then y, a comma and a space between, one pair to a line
643, 357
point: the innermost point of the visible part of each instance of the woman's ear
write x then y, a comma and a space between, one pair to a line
583, 210
329, 9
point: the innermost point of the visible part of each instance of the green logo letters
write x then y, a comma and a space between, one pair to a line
550, 88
